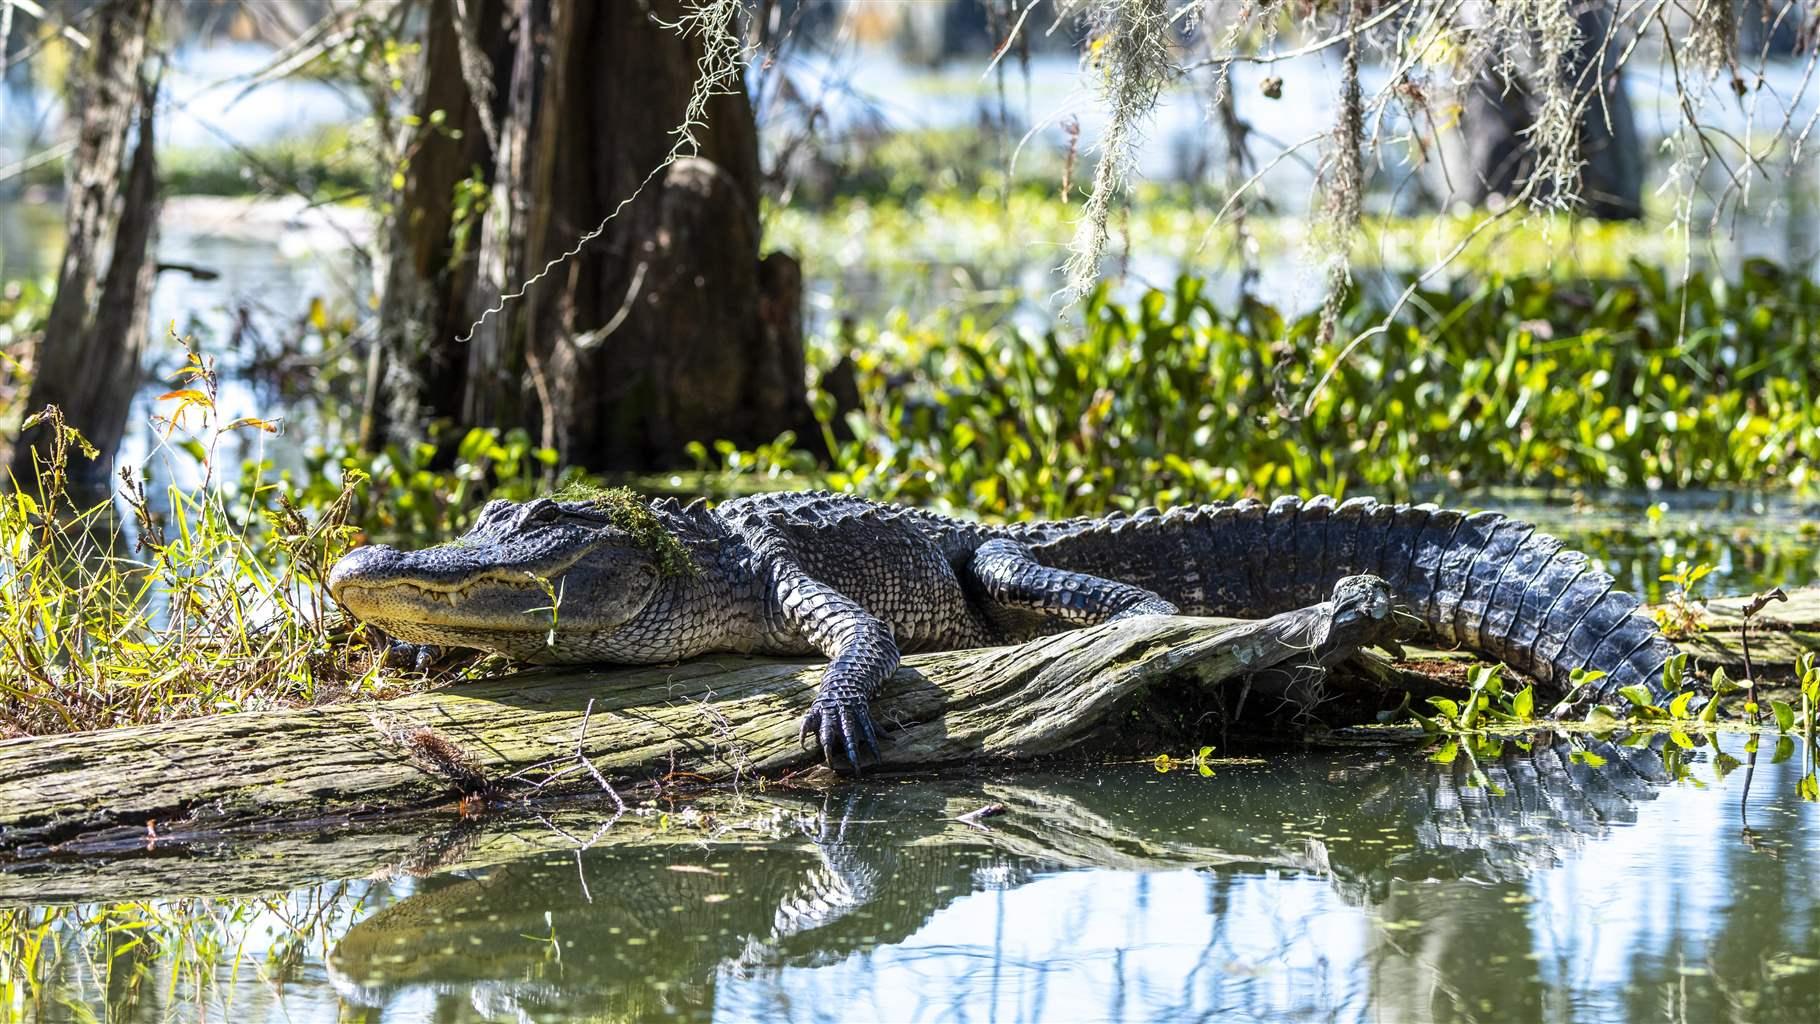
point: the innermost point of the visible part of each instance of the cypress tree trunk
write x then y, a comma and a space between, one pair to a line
416, 375
88, 361
667, 328
1499, 110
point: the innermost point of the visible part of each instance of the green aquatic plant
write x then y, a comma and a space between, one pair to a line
1201, 761
181, 609
1681, 614
1173, 398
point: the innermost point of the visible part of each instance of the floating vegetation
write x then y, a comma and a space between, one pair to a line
1632, 383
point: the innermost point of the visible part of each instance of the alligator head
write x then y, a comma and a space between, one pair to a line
543, 580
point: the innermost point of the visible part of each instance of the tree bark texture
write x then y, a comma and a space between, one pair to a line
416, 375
668, 327
88, 361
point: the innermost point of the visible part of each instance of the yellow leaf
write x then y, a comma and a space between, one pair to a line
185, 395
253, 421
319, 315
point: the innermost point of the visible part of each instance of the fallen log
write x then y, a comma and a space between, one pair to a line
1780, 633
709, 720
1049, 820
160, 787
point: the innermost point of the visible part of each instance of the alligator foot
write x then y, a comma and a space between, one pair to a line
844, 726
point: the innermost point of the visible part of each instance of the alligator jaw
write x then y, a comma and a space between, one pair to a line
450, 594
387, 603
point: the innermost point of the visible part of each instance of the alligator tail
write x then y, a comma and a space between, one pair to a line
1481, 581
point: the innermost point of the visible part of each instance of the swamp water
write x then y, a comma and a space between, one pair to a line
1361, 884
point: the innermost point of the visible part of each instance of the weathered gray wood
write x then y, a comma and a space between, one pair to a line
1780, 633
712, 719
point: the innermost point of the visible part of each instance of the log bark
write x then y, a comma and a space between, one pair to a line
709, 720
1779, 634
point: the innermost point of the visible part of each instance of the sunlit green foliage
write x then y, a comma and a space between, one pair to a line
1632, 383
331, 164
210, 602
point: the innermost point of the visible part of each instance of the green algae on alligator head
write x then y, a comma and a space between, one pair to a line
626, 510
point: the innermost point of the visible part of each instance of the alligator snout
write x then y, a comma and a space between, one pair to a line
372, 564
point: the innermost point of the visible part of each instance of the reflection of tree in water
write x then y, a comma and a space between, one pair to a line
1440, 856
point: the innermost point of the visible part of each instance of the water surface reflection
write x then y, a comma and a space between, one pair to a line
1357, 884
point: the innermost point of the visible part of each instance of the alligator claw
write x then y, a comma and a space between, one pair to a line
418, 657
840, 728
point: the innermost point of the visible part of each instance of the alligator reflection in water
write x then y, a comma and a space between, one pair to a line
896, 904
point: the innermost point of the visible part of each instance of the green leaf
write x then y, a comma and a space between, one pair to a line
1581, 676
1638, 695
1710, 713
1587, 758
1203, 754
1602, 718
1785, 749
1523, 705
1724, 685
1724, 764
1808, 788
1494, 681
1785, 715
1447, 753
1450, 709
1163, 763
1677, 708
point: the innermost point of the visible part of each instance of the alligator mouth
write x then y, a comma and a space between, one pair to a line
388, 599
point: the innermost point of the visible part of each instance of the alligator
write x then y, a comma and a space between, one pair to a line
608, 577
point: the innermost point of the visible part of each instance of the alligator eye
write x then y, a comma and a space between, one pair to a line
547, 512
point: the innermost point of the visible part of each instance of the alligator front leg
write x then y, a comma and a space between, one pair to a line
1012, 578
861, 653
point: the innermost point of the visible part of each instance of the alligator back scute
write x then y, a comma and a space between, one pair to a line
1470, 539
1431, 546
1483, 576
1482, 581
1570, 609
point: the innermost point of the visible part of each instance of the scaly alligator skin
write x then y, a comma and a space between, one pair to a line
861, 582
